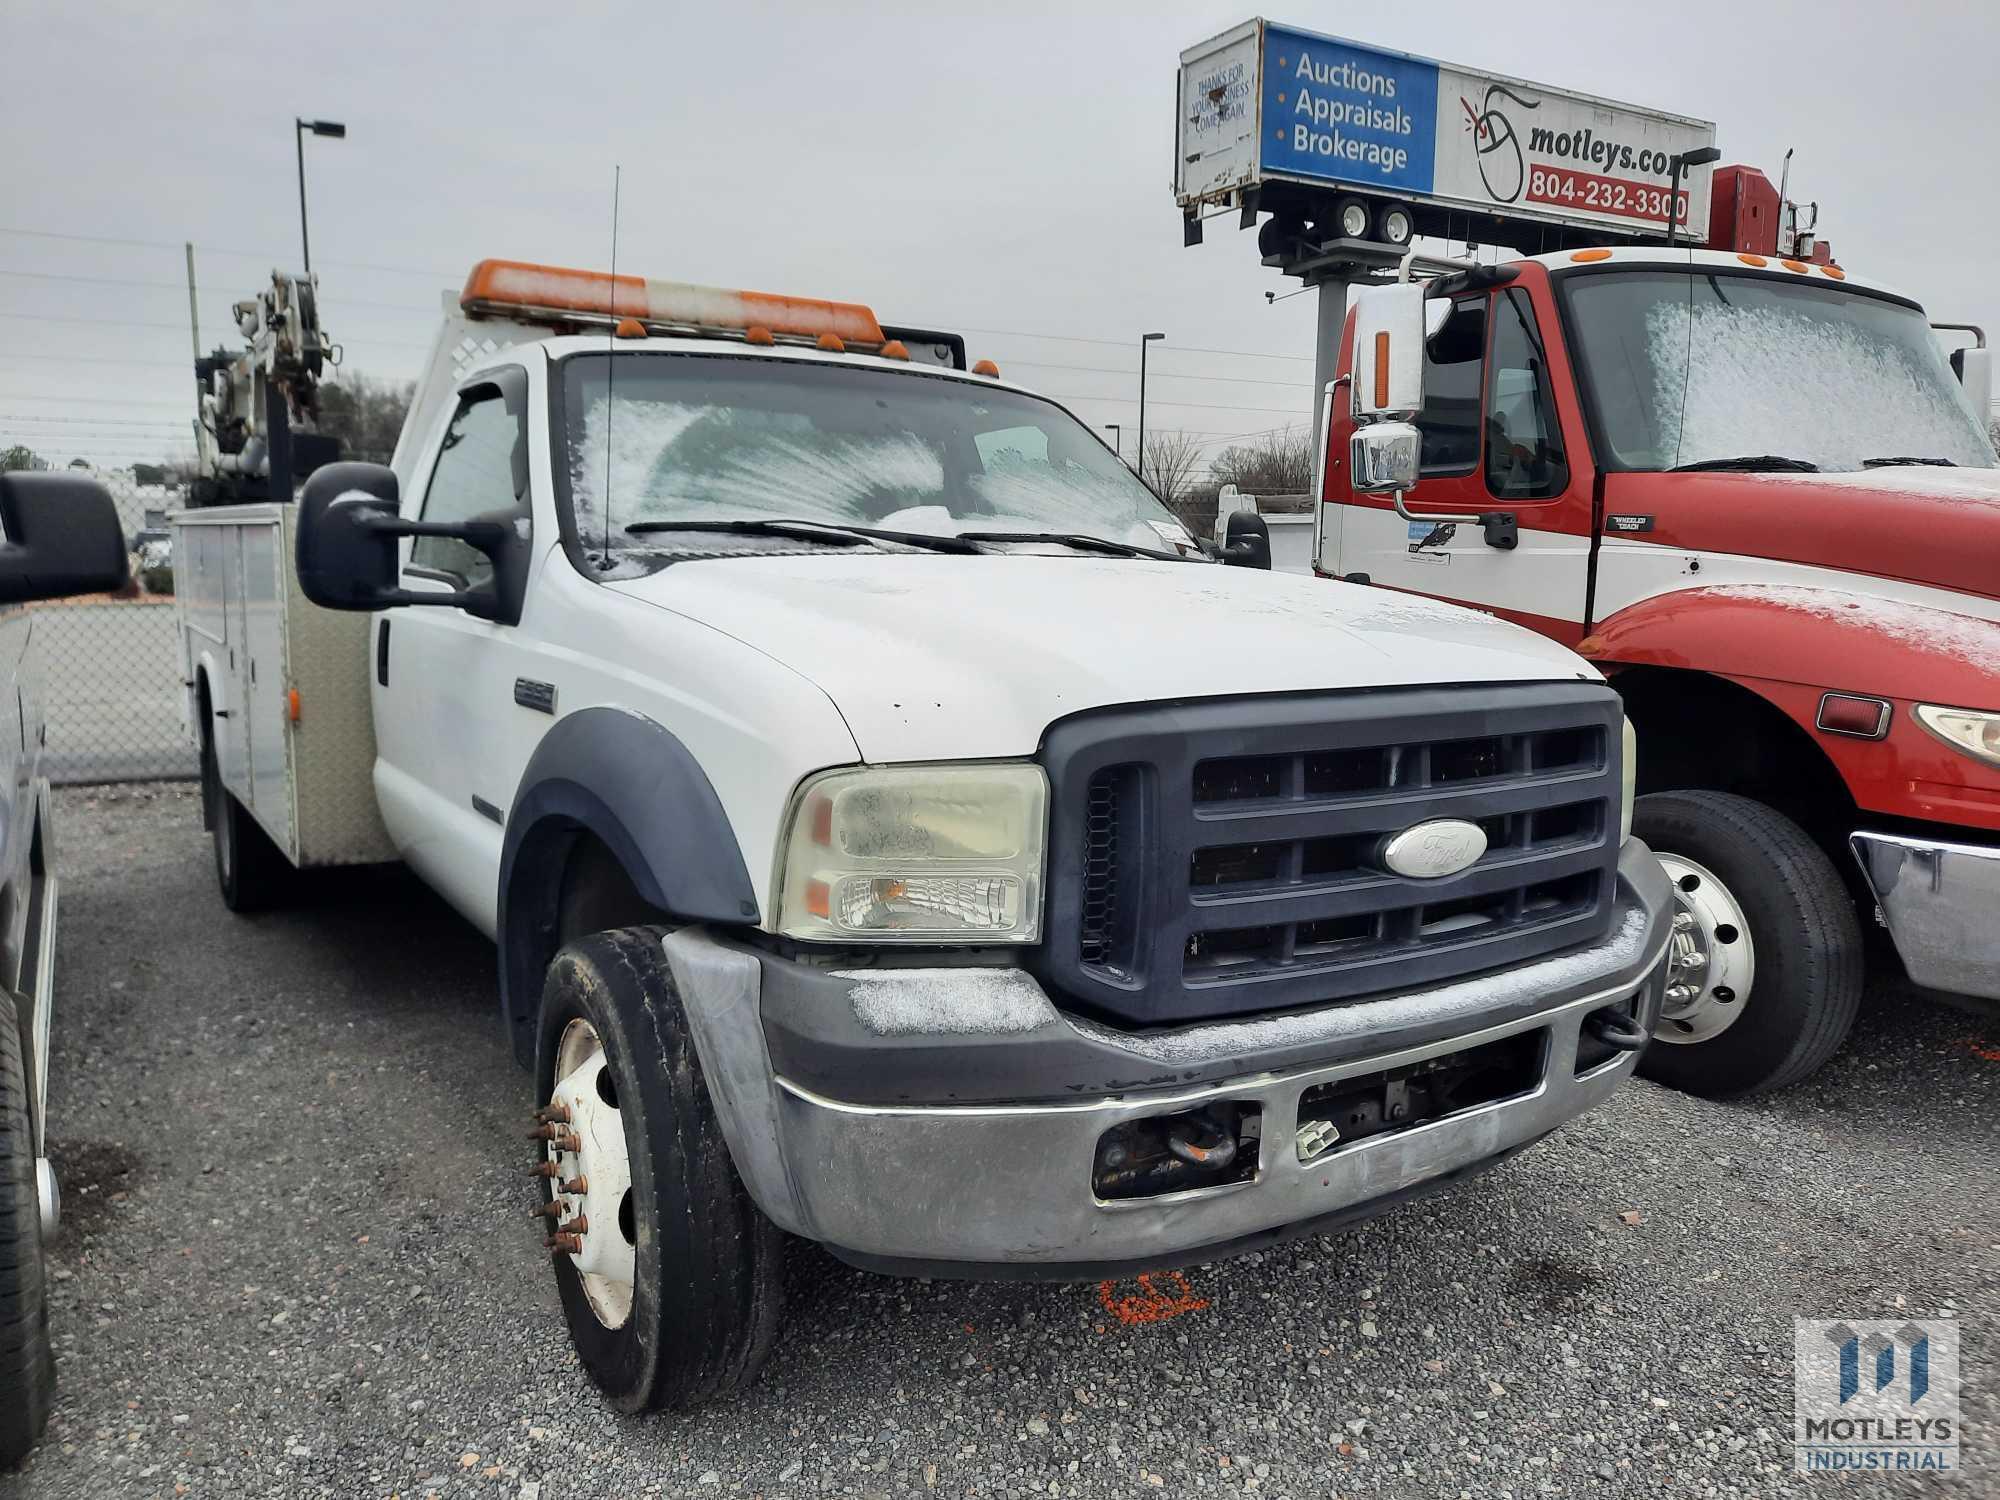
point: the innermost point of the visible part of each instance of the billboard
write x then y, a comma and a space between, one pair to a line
1272, 103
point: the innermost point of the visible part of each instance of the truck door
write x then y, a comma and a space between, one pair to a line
1500, 434
451, 742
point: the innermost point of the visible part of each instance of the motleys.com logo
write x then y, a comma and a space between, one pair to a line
1517, 160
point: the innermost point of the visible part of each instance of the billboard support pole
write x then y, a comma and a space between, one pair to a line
1326, 340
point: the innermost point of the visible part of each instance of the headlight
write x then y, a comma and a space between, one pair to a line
1967, 729
1629, 761
916, 854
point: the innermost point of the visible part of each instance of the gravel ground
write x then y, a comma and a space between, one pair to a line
297, 1262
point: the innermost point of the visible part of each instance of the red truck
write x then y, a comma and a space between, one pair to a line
1756, 492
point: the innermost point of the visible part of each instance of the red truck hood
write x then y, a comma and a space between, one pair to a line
1931, 526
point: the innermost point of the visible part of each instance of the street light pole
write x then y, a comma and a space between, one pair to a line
1144, 340
1117, 438
332, 129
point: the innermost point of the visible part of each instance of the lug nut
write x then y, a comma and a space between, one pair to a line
546, 1211
570, 1142
557, 1112
565, 1244
575, 1186
579, 1226
545, 1169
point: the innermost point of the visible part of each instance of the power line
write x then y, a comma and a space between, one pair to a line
214, 291
1043, 364
207, 249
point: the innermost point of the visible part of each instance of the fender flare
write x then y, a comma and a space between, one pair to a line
629, 782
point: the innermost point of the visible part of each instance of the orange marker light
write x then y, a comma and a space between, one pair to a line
819, 899
1586, 256
1382, 370
831, 344
895, 349
1751, 260
987, 367
758, 334
292, 704
1835, 272
1795, 265
630, 328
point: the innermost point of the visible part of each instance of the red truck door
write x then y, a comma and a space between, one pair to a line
1501, 432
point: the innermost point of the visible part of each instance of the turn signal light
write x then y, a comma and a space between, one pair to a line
1852, 714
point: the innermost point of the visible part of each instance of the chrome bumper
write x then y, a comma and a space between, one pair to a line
1001, 1188
1941, 904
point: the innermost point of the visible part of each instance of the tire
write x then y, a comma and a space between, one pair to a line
705, 1295
1801, 928
27, 1359
250, 871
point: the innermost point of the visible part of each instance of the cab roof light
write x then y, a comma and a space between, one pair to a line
987, 368
556, 294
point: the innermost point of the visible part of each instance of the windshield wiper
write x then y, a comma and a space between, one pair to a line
1904, 460
1755, 463
812, 531
1082, 541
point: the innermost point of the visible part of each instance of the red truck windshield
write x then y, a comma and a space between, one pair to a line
1683, 368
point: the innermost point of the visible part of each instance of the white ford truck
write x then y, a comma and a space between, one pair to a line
896, 830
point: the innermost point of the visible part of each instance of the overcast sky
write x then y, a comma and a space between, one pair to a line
1004, 169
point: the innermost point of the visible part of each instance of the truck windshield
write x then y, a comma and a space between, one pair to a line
706, 438
1704, 368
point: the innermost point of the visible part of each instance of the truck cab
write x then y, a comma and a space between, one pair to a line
1754, 492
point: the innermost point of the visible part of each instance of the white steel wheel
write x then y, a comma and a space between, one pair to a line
1711, 960
593, 1186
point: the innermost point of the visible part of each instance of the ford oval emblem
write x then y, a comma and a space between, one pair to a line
1433, 850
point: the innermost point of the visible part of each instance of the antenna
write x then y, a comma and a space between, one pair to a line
611, 354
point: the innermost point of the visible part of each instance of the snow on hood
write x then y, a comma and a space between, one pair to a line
946, 657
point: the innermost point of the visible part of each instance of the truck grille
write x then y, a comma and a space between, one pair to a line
1225, 856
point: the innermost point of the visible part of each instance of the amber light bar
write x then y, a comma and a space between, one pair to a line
557, 294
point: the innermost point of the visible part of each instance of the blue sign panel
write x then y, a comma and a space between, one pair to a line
1348, 114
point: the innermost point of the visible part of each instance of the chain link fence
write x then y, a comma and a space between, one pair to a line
110, 664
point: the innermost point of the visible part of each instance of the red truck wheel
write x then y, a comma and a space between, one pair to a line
1766, 962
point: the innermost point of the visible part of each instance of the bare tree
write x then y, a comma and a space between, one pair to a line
1276, 463
365, 414
1168, 464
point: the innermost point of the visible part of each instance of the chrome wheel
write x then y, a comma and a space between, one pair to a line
590, 1172
1711, 961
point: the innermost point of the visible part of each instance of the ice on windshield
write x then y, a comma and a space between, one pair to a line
1690, 368
689, 438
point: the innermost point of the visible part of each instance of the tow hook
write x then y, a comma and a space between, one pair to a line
1615, 1030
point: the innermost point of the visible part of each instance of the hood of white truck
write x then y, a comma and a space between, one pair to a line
946, 657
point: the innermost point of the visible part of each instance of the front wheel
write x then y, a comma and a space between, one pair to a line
27, 1362
1765, 960
669, 1275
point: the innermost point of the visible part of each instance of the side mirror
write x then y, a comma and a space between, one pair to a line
1383, 457
1247, 541
1390, 323
347, 552
1975, 374
63, 537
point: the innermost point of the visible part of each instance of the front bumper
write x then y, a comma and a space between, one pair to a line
1941, 904
1003, 1188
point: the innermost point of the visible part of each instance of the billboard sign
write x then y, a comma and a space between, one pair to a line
1272, 103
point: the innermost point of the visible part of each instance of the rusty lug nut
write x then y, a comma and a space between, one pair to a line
579, 1226
576, 1186
570, 1142
545, 1169
546, 1133
565, 1244
546, 1211
557, 1112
